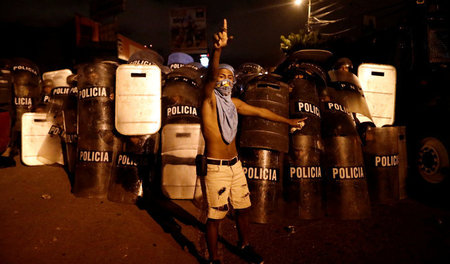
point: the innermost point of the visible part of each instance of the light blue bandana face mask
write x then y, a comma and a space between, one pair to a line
226, 110
225, 87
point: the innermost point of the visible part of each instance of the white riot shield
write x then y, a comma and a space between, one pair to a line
35, 136
138, 99
378, 82
180, 144
59, 77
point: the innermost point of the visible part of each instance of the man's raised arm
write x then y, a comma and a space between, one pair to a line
220, 41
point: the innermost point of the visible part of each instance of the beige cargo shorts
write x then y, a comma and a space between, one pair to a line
225, 184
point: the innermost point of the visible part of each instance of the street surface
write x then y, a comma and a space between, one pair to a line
41, 221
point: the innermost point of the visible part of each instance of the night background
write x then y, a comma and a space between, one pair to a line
42, 219
44, 31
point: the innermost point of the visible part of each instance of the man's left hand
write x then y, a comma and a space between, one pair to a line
297, 123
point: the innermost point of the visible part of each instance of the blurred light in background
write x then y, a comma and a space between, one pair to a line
204, 60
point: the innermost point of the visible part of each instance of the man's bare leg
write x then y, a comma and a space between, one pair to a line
243, 226
212, 235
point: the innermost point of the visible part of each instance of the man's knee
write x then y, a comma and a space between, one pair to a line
218, 212
243, 211
213, 222
223, 208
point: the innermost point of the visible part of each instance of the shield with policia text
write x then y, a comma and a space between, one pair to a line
347, 194
181, 95
26, 90
263, 145
98, 142
303, 187
134, 168
58, 97
181, 138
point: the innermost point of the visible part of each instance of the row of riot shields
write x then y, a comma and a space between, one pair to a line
103, 124
124, 129
330, 167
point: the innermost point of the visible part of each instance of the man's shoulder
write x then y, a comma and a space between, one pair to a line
237, 102
209, 99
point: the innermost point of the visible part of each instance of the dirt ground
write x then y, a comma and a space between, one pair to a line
42, 222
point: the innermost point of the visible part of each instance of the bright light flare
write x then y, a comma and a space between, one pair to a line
297, 2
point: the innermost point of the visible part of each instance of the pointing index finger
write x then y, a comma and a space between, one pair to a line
225, 27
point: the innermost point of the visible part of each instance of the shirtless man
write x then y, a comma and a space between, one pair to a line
225, 179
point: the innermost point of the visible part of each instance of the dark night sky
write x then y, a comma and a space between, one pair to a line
257, 25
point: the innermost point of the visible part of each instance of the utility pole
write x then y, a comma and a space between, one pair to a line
308, 26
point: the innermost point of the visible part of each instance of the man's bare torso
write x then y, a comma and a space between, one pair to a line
216, 147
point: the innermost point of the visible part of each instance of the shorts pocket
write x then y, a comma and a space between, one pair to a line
213, 168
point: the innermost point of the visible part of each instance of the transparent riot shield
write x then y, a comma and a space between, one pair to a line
244, 74
270, 92
134, 168
26, 90
58, 100
349, 92
303, 181
312, 60
97, 142
181, 96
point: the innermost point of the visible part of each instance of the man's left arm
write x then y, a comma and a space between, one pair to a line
250, 110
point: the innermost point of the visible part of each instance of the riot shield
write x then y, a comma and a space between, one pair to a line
148, 57
347, 195
180, 145
69, 114
263, 145
138, 99
312, 60
264, 171
386, 163
58, 99
97, 142
303, 184
379, 84
336, 119
46, 93
178, 59
134, 168
181, 96
35, 131
244, 74
270, 92
349, 92
26, 88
